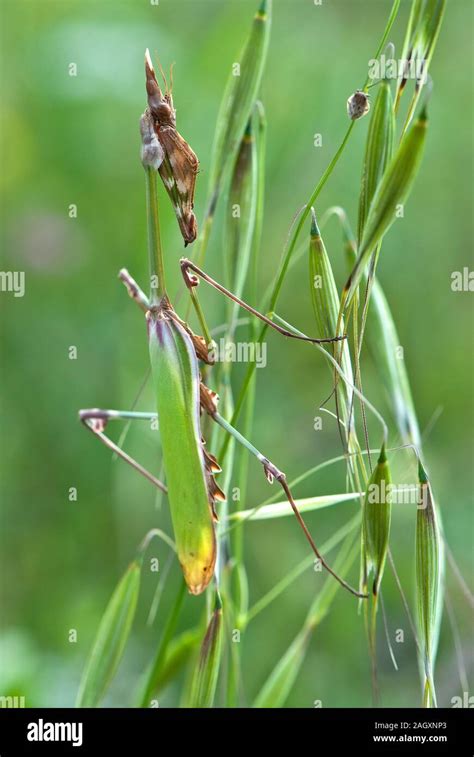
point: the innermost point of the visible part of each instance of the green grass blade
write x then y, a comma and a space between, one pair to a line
289, 578
244, 234
282, 509
207, 672
326, 305
236, 107
323, 601
241, 212
178, 654
377, 516
392, 191
383, 342
277, 688
422, 35
429, 578
413, 21
378, 152
281, 680
251, 287
152, 676
111, 638
324, 295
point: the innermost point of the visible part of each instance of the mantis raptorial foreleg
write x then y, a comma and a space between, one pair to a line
96, 420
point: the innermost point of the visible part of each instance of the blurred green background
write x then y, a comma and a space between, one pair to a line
75, 140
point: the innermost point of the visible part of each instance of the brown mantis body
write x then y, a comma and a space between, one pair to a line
175, 352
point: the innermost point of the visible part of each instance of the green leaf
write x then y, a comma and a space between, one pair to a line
383, 342
280, 682
239, 96
382, 339
428, 582
243, 196
150, 682
378, 151
420, 41
178, 654
377, 514
207, 672
392, 191
111, 638
326, 304
278, 686
324, 295
281, 509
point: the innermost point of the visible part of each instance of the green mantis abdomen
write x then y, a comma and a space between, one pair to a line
176, 380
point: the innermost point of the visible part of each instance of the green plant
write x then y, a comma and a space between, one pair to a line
343, 323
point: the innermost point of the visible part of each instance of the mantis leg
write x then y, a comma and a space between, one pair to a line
134, 290
272, 472
192, 280
96, 420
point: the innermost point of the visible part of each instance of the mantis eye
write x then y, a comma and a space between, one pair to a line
163, 112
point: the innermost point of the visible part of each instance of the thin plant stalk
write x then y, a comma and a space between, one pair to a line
157, 270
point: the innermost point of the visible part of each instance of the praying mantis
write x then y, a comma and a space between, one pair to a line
175, 355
